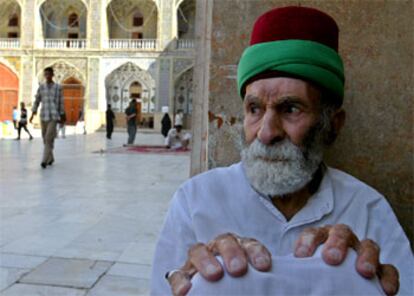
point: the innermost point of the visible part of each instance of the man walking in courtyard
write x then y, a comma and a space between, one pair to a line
50, 95
131, 118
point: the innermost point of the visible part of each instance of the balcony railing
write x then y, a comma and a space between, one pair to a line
9, 43
140, 44
185, 43
62, 43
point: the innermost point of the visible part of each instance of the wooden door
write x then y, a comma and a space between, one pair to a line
9, 92
73, 100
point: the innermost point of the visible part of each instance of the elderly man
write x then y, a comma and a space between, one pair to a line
281, 201
49, 94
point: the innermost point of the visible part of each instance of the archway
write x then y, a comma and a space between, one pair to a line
10, 19
64, 23
186, 19
9, 92
136, 19
183, 96
130, 82
73, 95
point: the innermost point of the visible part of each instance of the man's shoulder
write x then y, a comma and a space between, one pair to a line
347, 185
217, 177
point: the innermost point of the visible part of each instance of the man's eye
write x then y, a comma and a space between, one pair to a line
254, 109
292, 109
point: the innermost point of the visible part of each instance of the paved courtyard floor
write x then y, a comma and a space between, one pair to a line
87, 225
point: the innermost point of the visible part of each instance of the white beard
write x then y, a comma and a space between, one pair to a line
282, 168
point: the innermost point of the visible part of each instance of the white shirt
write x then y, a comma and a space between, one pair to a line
293, 276
221, 200
175, 139
179, 119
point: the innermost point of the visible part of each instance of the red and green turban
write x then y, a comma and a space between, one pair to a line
296, 42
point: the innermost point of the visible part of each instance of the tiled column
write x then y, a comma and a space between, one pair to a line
96, 23
30, 22
199, 162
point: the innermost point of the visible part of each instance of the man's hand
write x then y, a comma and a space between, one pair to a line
236, 253
337, 239
32, 116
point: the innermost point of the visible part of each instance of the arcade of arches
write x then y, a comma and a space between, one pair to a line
63, 19
102, 51
10, 19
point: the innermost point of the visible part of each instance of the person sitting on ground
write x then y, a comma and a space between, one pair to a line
282, 199
176, 139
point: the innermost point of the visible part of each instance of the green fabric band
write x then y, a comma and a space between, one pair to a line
309, 60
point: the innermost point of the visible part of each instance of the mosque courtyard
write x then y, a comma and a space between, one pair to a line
87, 225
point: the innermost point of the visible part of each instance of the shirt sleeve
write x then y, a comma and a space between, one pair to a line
176, 237
36, 103
60, 100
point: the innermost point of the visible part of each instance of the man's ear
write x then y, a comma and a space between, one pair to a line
337, 122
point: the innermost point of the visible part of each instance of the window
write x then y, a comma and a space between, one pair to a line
137, 20
12, 35
137, 35
14, 21
73, 20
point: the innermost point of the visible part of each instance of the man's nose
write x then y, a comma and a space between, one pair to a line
271, 130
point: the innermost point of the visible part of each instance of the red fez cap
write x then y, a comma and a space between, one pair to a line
296, 22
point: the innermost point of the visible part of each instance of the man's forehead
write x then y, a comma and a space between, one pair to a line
279, 87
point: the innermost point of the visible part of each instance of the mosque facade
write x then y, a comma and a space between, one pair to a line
102, 52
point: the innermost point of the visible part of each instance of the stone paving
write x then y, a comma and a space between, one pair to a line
87, 225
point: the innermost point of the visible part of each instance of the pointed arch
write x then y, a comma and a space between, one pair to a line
9, 92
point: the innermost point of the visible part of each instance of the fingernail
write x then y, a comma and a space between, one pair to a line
368, 267
307, 239
302, 251
211, 269
183, 287
235, 264
390, 289
334, 254
261, 261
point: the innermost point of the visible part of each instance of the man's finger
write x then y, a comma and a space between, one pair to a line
309, 240
180, 283
389, 279
259, 257
368, 258
335, 249
234, 257
205, 262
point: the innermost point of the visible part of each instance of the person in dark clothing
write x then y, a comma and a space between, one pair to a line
110, 118
165, 124
23, 122
131, 117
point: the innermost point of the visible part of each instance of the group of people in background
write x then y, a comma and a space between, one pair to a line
175, 137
